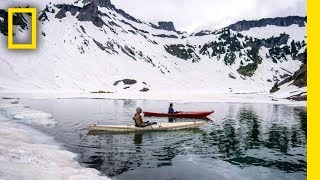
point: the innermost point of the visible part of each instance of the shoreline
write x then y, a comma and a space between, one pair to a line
257, 98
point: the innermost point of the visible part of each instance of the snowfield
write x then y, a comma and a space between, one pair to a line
81, 57
295, 32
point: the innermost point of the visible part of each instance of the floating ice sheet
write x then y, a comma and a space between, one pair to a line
18, 112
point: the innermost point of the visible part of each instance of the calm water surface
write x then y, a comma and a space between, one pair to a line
243, 141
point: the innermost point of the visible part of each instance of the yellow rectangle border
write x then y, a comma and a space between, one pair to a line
33, 44
313, 107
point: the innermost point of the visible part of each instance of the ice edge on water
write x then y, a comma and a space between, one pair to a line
15, 111
26, 153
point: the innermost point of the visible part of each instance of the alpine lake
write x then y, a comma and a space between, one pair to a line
241, 140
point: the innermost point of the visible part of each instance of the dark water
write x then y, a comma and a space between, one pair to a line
243, 141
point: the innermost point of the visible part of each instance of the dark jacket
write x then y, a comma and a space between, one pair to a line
170, 110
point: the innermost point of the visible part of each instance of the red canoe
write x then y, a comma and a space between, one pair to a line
180, 114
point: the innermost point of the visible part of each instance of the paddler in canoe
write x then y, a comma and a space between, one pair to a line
179, 114
171, 110
138, 120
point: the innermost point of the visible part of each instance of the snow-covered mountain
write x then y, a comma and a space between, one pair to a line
91, 45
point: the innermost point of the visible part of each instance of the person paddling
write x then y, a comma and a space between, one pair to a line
138, 120
171, 110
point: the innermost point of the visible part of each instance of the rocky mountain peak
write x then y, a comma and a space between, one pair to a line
109, 5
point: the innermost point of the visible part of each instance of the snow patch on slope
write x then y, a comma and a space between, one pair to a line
287, 90
294, 31
270, 70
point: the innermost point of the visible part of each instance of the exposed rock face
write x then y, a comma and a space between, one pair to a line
144, 89
203, 33
125, 82
65, 8
18, 20
165, 25
101, 3
280, 21
169, 26
108, 4
300, 76
4, 23
43, 17
275, 88
165, 36
90, 12
302, 57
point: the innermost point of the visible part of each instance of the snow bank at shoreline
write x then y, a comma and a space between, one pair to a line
204, 96
26, 153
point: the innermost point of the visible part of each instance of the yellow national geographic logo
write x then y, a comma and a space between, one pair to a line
33, 44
